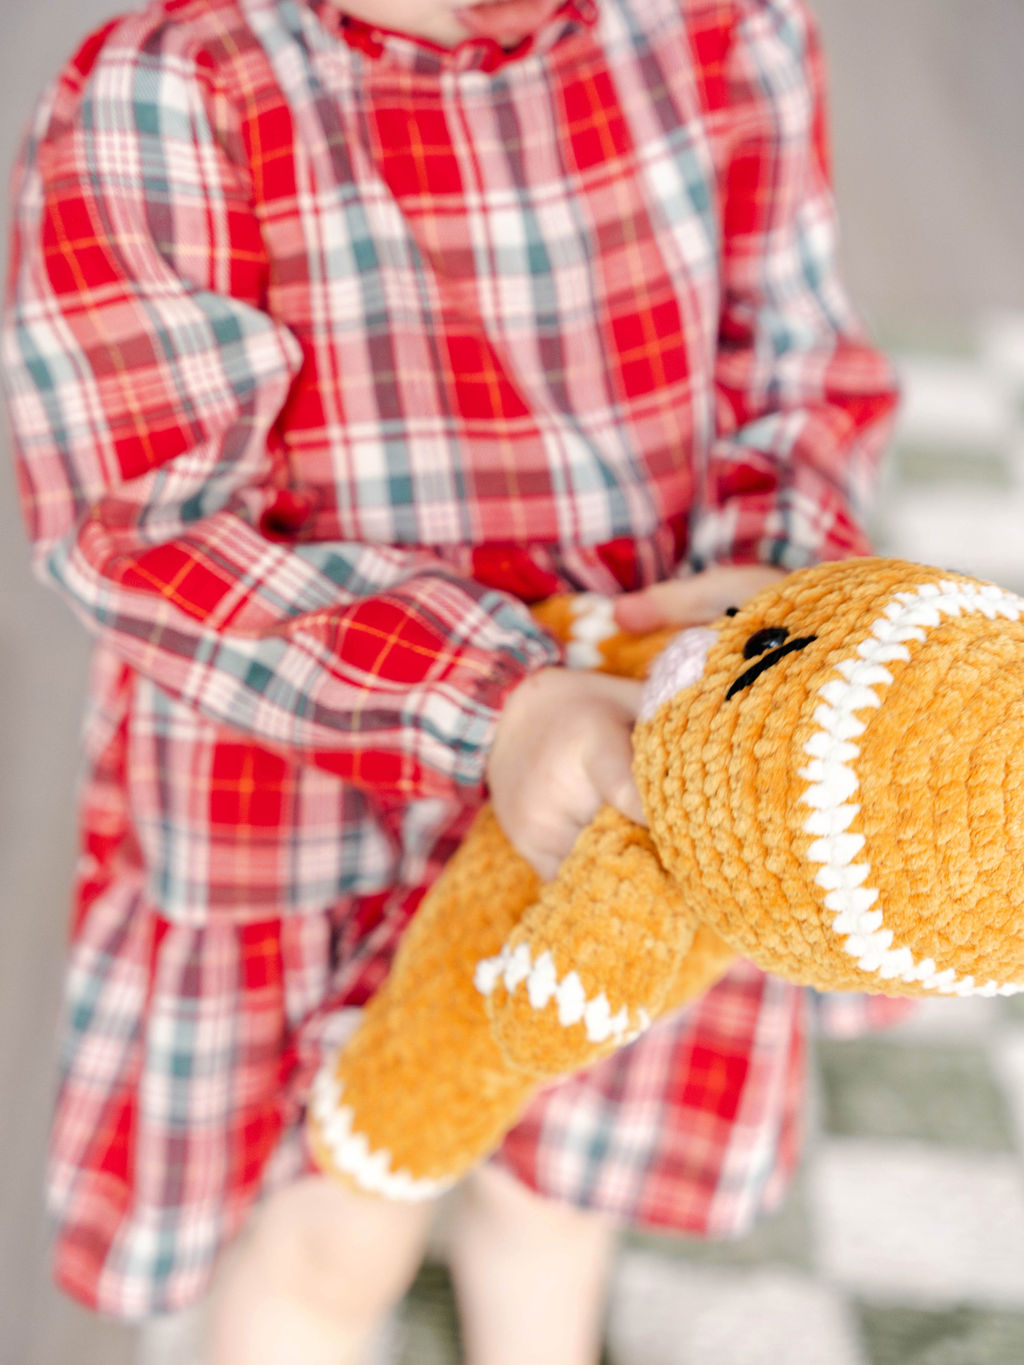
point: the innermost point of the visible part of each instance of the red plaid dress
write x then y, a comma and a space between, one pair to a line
326, 351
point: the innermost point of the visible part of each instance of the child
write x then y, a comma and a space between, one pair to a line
336, 336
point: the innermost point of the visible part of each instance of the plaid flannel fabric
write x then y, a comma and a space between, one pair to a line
324, 351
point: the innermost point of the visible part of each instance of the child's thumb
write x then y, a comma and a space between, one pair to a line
612, 776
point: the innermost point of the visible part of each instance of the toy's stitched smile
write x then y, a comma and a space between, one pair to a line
767, 659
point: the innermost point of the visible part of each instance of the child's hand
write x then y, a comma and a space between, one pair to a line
693, 601
562, 749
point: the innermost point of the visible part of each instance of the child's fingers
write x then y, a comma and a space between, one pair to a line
639, 613
548, 856
563, 748
611, 771
692, 601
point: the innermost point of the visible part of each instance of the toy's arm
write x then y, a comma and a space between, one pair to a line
705, 962
583, 623
591, 963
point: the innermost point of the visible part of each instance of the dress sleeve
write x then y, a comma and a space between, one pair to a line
803, 402
145, 380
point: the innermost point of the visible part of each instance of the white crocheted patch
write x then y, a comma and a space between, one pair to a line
857, 686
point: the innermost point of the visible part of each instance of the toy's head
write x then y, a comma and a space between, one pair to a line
836, 775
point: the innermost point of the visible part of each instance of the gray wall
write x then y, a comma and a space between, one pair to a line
928, 128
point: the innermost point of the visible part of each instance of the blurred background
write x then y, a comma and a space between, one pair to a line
903, 1243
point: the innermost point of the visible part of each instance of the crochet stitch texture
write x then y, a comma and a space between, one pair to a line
834, 782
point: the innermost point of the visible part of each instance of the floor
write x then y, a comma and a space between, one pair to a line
903, 1243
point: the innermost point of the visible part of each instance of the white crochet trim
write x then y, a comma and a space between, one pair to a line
350, 1151
833, 780
593, 622
515, 967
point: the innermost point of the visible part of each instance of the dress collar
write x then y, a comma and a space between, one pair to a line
474, 54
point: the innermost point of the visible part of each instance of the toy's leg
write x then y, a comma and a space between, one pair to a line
530, 1275
422, 1091
589, 964
314, 1274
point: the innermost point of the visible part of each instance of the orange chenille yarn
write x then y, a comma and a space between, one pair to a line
834, 781
854, 819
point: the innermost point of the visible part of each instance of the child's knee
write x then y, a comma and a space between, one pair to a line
350, 1254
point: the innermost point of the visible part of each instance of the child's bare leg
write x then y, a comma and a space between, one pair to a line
530, 1275
174, 1338
313, 1276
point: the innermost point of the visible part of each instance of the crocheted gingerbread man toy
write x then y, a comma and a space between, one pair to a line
834, 781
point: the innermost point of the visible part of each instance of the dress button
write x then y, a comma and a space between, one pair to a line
286, 514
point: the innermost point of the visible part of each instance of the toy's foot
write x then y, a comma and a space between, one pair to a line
588, 967
342, 1150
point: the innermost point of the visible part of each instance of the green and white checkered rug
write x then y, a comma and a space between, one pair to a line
903, 1242
954, 487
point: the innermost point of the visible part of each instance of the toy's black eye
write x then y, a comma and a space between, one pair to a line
770, 637
767, 647
732, 611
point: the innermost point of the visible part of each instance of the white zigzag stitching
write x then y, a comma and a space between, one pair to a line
350, 1151
593, 622
833, 780
515, 967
